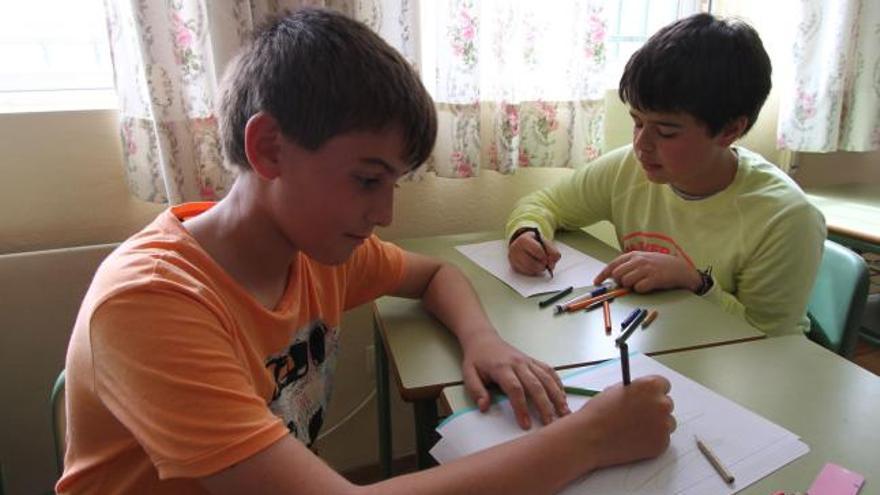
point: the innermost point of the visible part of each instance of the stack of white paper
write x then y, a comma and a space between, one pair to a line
750, 446
574, 269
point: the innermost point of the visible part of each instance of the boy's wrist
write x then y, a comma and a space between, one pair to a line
476, 335
705, 282
522, 230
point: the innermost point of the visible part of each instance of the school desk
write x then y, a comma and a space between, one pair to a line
829, 402
425, 356
852, 213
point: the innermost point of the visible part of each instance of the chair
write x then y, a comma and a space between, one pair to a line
59, 421
838, 299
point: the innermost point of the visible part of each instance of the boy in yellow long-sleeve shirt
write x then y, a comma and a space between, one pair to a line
691, 210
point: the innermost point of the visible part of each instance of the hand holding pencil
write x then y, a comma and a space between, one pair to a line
632, 422
530, 254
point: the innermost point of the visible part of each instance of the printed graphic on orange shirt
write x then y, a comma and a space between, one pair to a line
654, 242
303, 379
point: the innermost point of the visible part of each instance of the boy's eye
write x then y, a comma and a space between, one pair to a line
367, 182
666, 133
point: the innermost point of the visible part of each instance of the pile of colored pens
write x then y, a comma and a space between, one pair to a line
603, 297
590, 300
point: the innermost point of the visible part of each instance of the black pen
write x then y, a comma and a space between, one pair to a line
624, 362
544, 247
555, 297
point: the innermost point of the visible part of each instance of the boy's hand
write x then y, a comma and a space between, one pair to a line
526, 255
489, 359
645, 271
628, 423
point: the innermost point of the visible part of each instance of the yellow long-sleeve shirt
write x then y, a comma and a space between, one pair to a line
760, 235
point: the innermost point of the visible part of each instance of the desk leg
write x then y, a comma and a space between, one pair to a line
383, 404
426, 423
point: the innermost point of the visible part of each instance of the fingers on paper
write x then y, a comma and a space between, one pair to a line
475, 387
552, 386
536, 393
515, 390
610, 267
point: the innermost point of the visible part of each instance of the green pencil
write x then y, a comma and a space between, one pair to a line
585, 392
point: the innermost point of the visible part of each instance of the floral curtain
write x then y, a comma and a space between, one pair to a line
516, 82
834, 100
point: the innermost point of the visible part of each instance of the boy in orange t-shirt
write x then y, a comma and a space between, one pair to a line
202, 357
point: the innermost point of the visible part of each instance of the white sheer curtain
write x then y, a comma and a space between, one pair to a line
168, 58
833, 100
517, 82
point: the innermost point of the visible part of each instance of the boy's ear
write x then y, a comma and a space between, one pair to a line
733, 131
262, 145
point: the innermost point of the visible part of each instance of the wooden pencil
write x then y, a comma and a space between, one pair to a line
650, 318
606, 309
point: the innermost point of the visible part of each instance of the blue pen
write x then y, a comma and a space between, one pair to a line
628, 330
630, 317
600, 290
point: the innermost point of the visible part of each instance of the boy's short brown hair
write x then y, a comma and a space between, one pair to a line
714, 69
321, 74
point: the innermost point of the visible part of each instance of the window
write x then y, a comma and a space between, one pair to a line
632, 22
54, 55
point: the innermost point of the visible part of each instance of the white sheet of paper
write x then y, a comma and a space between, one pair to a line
750, 446
574, 268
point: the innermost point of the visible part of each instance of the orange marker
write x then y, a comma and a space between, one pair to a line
606, 308
651, 317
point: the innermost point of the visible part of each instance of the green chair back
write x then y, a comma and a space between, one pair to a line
838, 299
59, 421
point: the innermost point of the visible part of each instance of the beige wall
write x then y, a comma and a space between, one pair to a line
62, 185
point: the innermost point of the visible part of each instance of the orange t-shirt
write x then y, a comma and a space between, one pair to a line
175, 372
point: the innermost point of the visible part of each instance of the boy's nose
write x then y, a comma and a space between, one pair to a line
382, 210
642, 141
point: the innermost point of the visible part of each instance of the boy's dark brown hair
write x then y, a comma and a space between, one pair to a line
321, 74
716, 70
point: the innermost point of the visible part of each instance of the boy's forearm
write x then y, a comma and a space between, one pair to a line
452, 300
534, 210
539, 463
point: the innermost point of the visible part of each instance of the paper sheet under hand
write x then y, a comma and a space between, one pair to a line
749, 445
574, 269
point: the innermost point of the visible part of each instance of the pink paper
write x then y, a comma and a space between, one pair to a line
835, 480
